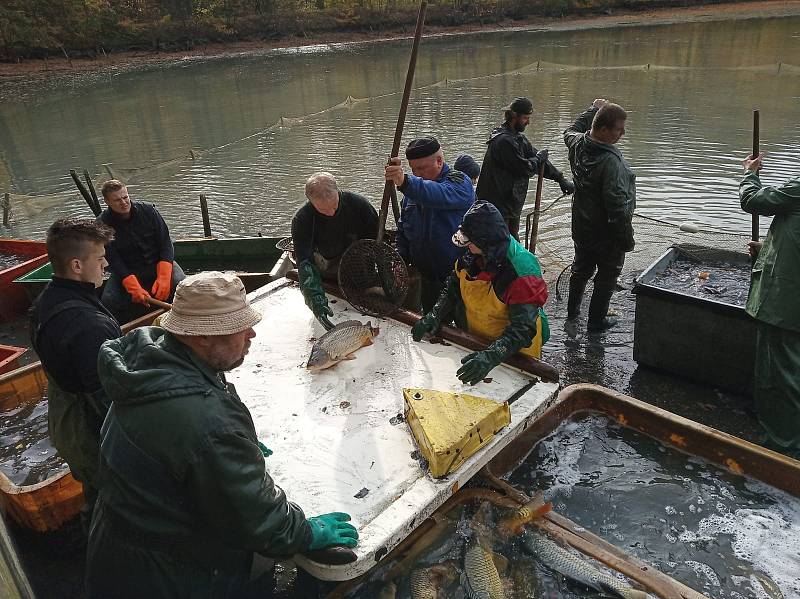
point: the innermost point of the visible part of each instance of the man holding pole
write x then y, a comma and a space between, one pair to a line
509, 163
602, 211
141, 256
435, 200
773, 302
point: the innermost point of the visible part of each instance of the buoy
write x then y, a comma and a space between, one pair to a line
689, 228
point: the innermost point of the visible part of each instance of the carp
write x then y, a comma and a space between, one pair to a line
535, 508
427, 582
340, 343
555, 557
480, 578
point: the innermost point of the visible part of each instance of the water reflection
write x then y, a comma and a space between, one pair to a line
689, 124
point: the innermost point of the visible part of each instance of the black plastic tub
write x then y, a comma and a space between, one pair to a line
702, 338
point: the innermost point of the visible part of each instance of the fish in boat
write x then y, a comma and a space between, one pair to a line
480, 578
340, 343
426, 583
555, 557
535, 508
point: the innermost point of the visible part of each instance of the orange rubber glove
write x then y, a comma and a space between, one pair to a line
132, 286
163, 284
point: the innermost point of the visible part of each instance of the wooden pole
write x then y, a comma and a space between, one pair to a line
6, 210
401, 120
159, 304
84, 193
204, 213
756, 134
536, 211
97, 207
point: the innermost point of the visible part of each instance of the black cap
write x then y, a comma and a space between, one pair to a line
422, 148
521, 106
467, 165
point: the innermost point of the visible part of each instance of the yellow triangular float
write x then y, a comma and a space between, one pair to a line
450, 427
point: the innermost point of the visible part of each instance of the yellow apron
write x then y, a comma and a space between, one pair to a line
487, 315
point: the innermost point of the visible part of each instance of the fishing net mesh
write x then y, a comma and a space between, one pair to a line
373, 277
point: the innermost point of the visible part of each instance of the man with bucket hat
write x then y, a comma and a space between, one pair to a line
497, 291
509, 163
435, 199
185, 499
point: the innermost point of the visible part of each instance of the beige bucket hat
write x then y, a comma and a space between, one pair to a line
210, 303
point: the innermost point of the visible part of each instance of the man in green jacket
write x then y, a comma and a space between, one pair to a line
773, 302
602, 211
185, 498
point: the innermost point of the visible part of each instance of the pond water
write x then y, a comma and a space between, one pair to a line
27, 455
690, 89
9, 260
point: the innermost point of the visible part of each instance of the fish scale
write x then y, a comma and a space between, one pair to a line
555, 557
480, 579
338, 343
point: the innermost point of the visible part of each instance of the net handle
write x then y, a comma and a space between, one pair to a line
389, 187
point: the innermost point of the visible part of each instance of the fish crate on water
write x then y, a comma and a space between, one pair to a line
691, 319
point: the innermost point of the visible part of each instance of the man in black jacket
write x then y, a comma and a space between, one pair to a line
68, 326
141, 256
509, 163
322, 229
602, 210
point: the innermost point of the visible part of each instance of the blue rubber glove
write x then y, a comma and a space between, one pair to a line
332, 529
265, 451
477, 365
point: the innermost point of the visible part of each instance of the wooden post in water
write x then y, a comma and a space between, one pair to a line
6, 209
84, 192
204, 213
97, 207
536, 211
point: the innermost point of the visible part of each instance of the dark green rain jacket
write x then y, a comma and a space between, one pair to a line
185, 498
605, 191
775, 285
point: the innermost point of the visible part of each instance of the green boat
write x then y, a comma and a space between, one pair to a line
257, 261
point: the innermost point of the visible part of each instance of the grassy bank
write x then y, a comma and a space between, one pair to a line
31, 29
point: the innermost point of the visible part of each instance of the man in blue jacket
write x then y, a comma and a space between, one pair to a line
435, 200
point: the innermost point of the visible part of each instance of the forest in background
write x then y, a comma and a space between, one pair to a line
91, 28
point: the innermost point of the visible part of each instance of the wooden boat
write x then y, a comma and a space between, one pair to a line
13, 300
730, 453
256, 260
9, 357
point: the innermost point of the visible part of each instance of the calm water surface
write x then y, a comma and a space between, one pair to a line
689, 126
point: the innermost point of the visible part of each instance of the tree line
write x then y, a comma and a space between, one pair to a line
90, 28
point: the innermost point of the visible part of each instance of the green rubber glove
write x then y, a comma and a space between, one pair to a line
265, 451
332, 529
314, 294
477, 365
426, 324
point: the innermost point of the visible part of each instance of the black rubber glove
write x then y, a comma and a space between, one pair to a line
432, 321
314, 294
541, 156
567, 186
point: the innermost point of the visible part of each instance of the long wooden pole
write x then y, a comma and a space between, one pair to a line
7, 210
756, 135
537, 205
97, 207
204, 214
401, 120
159, 304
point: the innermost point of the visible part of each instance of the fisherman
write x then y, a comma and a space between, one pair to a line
435, 200
322, 230
68, 326
496, 291
185, 497
141, 256
774, 291
467, 165
602, 210
509, 163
